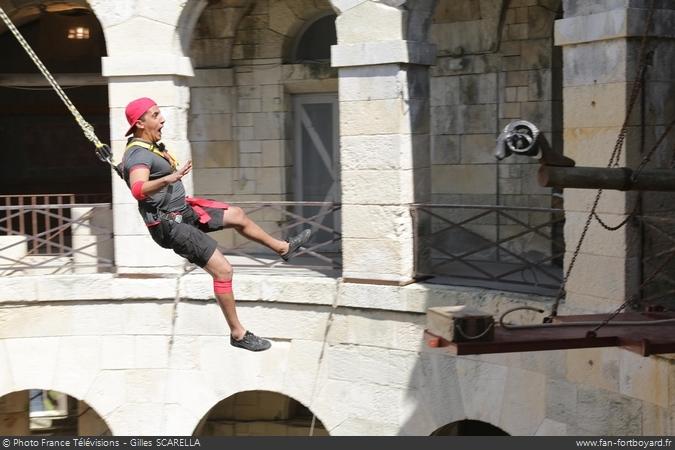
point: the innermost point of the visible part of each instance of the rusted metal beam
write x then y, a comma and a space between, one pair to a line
621, 179
641, 338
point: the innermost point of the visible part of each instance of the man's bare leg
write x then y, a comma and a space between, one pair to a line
220, 269
236, 218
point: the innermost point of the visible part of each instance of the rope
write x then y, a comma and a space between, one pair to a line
324, 344
102, 150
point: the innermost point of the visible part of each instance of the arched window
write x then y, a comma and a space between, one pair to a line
313, 43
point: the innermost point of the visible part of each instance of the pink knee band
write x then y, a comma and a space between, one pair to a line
222, 286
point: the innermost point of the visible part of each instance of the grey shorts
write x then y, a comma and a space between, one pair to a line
188, 238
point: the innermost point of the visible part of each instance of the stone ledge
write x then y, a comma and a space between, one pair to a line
283, 289
383, 52
142, 64
616, 24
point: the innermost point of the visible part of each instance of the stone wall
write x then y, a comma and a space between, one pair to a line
241, 119
496, 63
362, 368
601, 46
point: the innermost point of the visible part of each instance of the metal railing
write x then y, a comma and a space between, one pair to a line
657, 234
283, 219
508, 248
499, 247
48, 234
52, 234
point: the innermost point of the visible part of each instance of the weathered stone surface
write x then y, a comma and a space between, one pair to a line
370, 21
377, 187
212, 78
373, 222
522, 405
377, 259
214, 181
389, 151
561, 401
478, 148
446, 150
598, 240
478, 89
617, 282
78, 363
550, 427
147, 416
32, 361
592, 408
594, 367
482, 387
382, 52
645, 379
469, 179
211, 127
584, 63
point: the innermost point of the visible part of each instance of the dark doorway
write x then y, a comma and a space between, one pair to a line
43, 149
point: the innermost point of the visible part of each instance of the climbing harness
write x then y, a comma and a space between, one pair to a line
158, 150
102, 150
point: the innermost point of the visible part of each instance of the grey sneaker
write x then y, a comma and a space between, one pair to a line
295, 243
251, 342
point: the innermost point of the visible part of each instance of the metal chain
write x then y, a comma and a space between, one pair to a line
86, 127
608, 227
613, 160
634, 297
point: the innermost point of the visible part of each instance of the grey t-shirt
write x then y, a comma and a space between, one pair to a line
169, 198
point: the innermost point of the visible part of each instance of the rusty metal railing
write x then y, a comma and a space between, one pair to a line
48, 234
509, 248
52, 234
283, 219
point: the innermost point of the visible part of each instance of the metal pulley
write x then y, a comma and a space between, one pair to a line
520, 137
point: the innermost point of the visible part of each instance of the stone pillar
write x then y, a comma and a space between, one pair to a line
159, 73
92, 244
384, 139
601, 42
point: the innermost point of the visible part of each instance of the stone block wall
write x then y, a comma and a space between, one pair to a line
496, 63
241, 119
149, 367
601, 46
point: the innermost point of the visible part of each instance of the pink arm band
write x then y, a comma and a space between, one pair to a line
137, 190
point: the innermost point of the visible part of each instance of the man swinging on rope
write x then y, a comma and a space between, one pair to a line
181, 223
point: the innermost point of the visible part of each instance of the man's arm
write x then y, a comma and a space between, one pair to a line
142, 186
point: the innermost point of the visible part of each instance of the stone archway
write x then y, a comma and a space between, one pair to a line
469, 428
37, 412
260, 413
